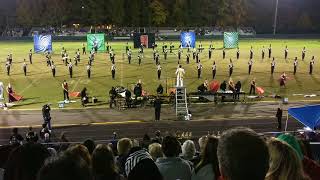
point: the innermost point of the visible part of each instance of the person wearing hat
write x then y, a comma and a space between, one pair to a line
310, 167
140, 166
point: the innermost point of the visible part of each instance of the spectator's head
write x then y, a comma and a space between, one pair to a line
90, 145
31, 136
139, 165
46, 137
135, 143
209, 155
15, 130
158, 133
103, 161
25, 161
242, 154
171, 146
155, 151
284, 161
202, 142
79, 151
293, 142
146, 141
124, 145
52, 152
188, 150
65, 167
44, 125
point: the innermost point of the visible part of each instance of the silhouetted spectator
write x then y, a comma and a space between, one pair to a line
155, 151
311, 168
171, 166
242, 154
208, 167
79, 151
25, 161
188, 152
43, 131
15, 138
31, 136
146, 141
158, 138
103, 164
140, 166
124, 145
284, 162
90, 145
65, 167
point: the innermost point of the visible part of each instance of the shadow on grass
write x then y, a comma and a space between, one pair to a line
25, 99
315, 79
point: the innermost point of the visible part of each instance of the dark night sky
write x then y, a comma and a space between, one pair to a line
7, 7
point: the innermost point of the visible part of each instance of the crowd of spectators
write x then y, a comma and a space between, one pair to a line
237, 154
122, 31
14, 32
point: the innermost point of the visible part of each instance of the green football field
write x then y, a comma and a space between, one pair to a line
39, 87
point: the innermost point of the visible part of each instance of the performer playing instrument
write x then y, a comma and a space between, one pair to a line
53, 69
199, 68
159, 71
129, 55
303, 53
89, 70
65, 89
295, 65
188, 58
24, 67
230, 68
113, 71
214, 70
30, 56
273, 64
70, 67
311, 65
286, 50
269, 51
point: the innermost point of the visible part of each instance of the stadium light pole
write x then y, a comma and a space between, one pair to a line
275, 18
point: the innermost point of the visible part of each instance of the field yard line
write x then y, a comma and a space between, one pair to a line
31, 84
34, 81
75, 86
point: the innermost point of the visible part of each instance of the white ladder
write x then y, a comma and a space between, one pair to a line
181, 102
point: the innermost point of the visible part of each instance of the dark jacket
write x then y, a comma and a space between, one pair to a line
157, 103
279, 113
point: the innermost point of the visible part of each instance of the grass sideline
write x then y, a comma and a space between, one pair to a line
39, 87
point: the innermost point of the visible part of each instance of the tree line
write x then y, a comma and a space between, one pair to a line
294, 15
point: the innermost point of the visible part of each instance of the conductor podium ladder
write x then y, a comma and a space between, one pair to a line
181, 102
